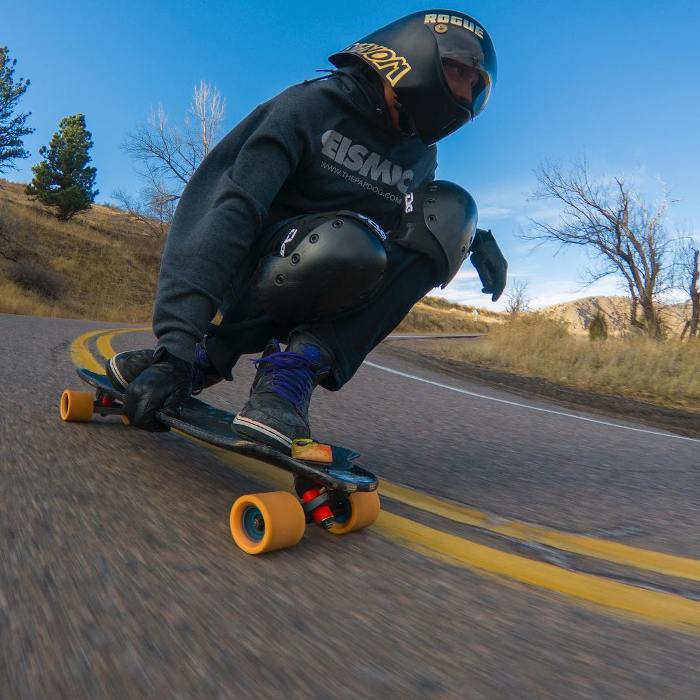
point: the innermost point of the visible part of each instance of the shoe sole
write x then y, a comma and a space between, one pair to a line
262, 430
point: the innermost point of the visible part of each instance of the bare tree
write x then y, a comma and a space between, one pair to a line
618, 228
208, 111
166, 156
517, 299
154, 209
687, 275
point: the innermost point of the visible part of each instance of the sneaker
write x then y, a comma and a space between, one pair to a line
124, 367
277, 411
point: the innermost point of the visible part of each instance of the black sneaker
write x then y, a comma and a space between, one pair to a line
277, 411
124, 367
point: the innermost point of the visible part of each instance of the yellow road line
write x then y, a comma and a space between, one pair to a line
662, 608
649, 560
82, 355
665, 608
104, 342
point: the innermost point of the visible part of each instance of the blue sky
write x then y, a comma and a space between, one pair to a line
614, 82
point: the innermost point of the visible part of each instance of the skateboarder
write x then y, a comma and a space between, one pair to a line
317, 221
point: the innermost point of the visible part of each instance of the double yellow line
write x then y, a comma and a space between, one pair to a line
667, 609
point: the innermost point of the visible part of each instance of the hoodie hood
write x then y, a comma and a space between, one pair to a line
367, 92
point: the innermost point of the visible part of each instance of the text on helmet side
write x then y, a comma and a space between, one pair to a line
456, 21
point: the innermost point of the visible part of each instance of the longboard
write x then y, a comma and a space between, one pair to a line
337, 493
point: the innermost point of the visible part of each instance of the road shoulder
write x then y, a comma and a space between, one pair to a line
682, 422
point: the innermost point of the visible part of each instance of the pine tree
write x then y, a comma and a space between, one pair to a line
12, 128
63, 179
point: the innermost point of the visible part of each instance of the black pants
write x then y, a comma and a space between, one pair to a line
349, 336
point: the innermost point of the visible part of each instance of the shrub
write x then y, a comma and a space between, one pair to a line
44, 281
598, 326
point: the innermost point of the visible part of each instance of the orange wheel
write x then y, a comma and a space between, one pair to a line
264, 522
361, 510
76, 406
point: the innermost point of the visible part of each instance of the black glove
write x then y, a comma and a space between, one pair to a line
164, 385
489, 263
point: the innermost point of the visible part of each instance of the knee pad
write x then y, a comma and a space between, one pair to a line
325, 264
439, 220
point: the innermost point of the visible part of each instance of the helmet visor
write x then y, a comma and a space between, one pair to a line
469, 85
460, 45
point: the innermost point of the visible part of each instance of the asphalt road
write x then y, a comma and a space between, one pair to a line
538, 552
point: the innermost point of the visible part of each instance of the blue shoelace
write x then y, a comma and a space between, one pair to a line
198, 375
292, 376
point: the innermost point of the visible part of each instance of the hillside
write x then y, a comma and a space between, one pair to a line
437, 315
578, 314
100, 265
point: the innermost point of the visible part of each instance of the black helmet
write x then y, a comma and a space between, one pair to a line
408, 53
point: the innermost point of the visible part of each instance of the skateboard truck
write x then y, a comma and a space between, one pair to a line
315, 502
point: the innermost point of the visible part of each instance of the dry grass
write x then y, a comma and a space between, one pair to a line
440, 303
436, 315
664, 373
106, 263
35, 277
14, 300
424, 319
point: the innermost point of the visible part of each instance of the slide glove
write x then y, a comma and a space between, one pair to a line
489, 262
164, 385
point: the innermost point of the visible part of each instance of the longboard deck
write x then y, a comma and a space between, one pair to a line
215, 426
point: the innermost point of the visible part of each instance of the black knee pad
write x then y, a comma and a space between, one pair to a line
439, 220
325, 264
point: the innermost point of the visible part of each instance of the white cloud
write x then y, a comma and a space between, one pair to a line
466, 289
494, 213
465, 274
513, 201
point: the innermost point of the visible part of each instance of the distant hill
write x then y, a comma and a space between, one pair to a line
578, 314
